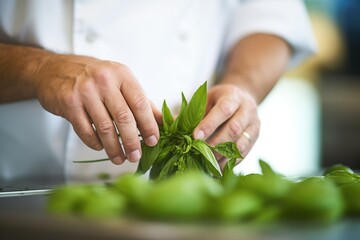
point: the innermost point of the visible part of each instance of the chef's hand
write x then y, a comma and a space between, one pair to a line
252, 69
97, 97
231, 115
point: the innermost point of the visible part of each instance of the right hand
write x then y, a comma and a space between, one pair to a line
90, 92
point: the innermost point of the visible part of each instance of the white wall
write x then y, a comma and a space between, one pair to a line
290, 131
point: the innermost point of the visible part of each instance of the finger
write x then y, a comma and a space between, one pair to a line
222, 161
248, 138
126, 125
157, 113
232, 129
220, 113
105, 129
142, 111
83, 128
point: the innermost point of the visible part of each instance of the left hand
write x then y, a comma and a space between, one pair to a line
231, 115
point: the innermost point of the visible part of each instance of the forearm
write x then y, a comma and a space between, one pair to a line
256, 63
18, 68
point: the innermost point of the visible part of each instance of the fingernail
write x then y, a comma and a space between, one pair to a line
200, 134
117, 160
134, 156
99, 147
151, 141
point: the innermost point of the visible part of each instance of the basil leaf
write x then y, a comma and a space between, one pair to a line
148, 157
155, 169
194, 111
266, 169
174, 126
229, 167
337, 167
211, 162
228, 150
165, 151
229, 179
184, 102
190, 162
168, 167
167, 117
193, 163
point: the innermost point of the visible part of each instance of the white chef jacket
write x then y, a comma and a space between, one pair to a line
170, 46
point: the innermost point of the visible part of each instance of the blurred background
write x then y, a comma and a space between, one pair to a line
335, 72
311, 120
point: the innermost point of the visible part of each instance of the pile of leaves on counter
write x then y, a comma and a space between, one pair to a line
195, 196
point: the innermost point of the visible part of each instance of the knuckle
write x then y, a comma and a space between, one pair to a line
104, 81
140, 103
149, 129
86, 136
89, 138
227, 108
131, 144
123, 68
105, 127
86, 89
69, 100
101, 75
235, 129
123, 117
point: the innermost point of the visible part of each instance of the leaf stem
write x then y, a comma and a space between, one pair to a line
92, 161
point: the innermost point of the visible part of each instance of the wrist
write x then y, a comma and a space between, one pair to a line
37, 66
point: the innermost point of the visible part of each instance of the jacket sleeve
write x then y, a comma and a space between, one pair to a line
287, 19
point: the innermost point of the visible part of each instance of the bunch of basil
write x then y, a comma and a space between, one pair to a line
177, 151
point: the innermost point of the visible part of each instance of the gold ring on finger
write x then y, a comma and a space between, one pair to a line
247, 135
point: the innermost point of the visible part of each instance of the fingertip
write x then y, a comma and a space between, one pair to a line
134, 156
117, 160
151, 141
98, 147
199, 134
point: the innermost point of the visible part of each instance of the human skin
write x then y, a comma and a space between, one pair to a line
253, 68
97, 97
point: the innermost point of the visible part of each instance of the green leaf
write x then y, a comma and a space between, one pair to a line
168, 167
211, 162
193, 162
148, 157
174, 126
194, 111
337, 167
184, 102
167, 117
266, 169
166, 151
229, 179
163, 157
228, 150
155, 170
229, 167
